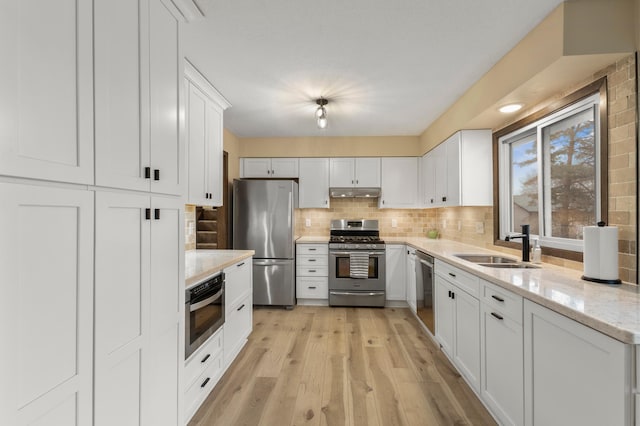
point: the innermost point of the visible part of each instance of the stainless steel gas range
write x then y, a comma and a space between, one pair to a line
356, 263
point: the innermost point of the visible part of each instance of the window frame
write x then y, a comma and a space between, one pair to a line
573, 103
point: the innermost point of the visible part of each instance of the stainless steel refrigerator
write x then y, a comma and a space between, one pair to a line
264, 221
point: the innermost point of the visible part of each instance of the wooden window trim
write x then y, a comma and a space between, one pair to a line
599, 86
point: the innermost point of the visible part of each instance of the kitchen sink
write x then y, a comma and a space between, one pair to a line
486, 259
509, 265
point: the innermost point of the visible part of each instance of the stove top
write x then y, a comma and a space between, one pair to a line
355, 234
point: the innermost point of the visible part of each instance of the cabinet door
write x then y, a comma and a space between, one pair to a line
427, 180
165, 83
214, 154
399, 182
284, 167
467, 336
367, 172
313, 183
439, 154
46, 81
444, 314
121, 93
342, 172
197, 145
256, 167
502, 365
237, 282
453, 170
396, 271
122, 290
165, 339
572, 373
46, 305
411, 279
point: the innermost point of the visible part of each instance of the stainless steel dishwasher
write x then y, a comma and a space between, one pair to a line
424, 290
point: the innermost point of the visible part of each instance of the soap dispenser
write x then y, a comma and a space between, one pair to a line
537, 252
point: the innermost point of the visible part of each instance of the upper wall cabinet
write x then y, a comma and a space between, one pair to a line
204, 116
313, 183
137, 82
399, 183
459, 171
46, 101
269, 167
357, 172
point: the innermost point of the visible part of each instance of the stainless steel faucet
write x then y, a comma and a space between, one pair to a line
525, 242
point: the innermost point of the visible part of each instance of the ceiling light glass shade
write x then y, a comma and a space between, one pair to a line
322, 118
510, 108
319, 111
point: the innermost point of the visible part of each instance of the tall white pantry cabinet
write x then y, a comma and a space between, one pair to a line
92, 247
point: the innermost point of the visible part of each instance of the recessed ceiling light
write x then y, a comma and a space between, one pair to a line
510, 108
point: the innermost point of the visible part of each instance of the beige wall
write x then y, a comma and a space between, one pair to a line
372, 146
232, 146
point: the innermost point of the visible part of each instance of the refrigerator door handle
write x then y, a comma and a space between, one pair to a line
269, 262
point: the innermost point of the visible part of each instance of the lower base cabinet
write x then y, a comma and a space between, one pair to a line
574, 375
202, 371
237, 325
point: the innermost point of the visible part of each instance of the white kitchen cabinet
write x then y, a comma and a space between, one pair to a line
427, 184
238, 308
269, 167
396, 268
312, 273
502, 364
202, 371
573, 374
46, 83
411, 279
138, 79
462, 171
399, 183
313, 183
139, 305
46, 305
204, 122
361, 172
458, 320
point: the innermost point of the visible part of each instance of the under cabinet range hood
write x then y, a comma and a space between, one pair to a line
354, 192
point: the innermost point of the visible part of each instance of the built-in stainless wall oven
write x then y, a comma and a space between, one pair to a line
357, 270
204, 312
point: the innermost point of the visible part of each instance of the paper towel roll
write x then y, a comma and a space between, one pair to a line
601, 253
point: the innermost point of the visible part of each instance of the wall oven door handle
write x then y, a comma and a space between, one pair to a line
205, 302
347, 253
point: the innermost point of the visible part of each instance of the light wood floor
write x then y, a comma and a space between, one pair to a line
340, 366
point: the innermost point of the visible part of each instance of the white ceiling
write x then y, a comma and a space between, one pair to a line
388, 67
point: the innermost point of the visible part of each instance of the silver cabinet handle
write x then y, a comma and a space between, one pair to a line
312, 287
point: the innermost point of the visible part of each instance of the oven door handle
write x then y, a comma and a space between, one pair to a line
204, 302
356, 293
347, 253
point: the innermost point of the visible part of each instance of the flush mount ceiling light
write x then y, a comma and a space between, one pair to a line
321, 113
510, 108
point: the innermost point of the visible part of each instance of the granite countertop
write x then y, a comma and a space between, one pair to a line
320, 239
612, 310
200, 264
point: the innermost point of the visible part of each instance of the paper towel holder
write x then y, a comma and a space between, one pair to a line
598, 280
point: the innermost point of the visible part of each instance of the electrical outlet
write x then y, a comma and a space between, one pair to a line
394, 223
307, 223
479, 227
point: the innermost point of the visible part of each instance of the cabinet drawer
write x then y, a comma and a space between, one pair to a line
312, 288
312, 249
312, 260
202, 358
502, 300
237, 280
237, 327
203, 385
466, 281
313, 271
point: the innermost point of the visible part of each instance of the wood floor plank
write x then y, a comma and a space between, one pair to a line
341, 366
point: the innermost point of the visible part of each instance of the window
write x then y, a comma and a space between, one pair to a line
550, 174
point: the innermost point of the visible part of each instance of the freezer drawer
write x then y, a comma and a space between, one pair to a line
274, 282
